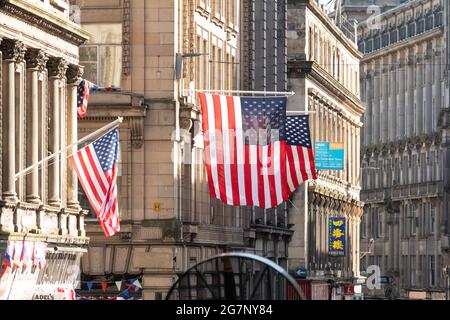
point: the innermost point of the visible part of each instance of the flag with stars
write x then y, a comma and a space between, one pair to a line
96, 167
84, 89
245, 149
300, 159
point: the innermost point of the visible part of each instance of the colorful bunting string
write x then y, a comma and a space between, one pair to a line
132, 285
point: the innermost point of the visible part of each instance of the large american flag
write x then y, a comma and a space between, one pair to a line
96, 167
246, 149
84, 89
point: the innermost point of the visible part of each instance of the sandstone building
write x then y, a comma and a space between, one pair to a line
39, 74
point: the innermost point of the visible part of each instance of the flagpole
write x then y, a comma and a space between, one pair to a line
90, 136
274, 93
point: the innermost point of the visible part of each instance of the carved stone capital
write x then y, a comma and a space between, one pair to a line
74, 73
13, 50
36, 59
57, 68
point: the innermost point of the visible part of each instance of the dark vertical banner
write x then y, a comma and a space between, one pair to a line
336, 237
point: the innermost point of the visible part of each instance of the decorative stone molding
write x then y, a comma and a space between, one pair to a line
57, 67
36, 59
13, 50
74, 36
126, 38
137, 132
74, 73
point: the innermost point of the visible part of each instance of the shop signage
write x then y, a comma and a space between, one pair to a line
329, 156
349, 289
336, 236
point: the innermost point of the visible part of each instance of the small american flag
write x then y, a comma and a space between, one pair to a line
96, 167
300, 158
84, 89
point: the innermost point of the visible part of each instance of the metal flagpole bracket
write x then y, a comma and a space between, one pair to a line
89, 137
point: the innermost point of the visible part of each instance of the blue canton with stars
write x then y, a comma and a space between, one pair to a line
297, 131
107, 149
264, 120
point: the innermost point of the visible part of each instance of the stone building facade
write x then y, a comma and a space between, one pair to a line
404, 82
39, 73
323, 71
263, 68
168, 222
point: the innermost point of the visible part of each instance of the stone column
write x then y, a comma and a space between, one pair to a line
418, 101
409, 108
369, 111
57, 69
428, 91
401, 125
384, 104
392, 105
13, 53
36, 63
437, 94
376, 107
74, 74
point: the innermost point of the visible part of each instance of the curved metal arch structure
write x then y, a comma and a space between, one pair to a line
236, 276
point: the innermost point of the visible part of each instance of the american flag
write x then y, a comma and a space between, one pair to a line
84, 89
246, 146
300, 158
96, 167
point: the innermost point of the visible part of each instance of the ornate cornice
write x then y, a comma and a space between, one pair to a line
36, 59
57, 67
13, 50
69, 34
74, 73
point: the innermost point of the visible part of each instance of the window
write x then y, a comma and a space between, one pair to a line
429, 22
385, 39
377, 43
393, 36
415, 168
411, 29
405, 171
412, 270
438, 20
363, 224
380, 223
420, 26
377, 223
102, 55
369, 43
412, 220
403, 33
432, 223
423, 167
218, 8
431, 271
361, 46
396, 171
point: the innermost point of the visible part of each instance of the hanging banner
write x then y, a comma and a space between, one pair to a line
336, 237
329, 156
